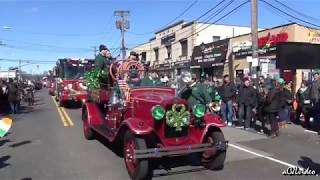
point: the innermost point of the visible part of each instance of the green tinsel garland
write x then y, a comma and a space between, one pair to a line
93, 78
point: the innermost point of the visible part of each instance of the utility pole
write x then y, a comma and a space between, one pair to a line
254, 38
122, 24
20, 73
95, 50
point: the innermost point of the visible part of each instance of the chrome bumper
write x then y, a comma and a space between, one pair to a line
179, 150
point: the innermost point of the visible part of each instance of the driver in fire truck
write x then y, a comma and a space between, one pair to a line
194, 92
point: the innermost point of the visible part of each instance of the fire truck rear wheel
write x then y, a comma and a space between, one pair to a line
138, 169
216, 161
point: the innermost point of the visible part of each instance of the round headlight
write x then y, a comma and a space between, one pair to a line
158, 112
65, 88
199, 110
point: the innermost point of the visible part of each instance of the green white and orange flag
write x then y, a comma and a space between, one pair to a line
5, 125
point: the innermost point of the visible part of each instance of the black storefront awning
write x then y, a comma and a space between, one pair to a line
214, 55
296, 55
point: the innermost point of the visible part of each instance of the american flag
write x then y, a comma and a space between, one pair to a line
122, 84
124, 88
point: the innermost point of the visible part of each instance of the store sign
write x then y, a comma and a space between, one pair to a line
314, 37
271, 40
213, 55
182, 64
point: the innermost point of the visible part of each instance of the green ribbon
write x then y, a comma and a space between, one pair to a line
93, 78
178, 117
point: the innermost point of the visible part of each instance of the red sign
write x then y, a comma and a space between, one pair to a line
272, 39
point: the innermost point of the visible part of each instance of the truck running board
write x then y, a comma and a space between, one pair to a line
179, 150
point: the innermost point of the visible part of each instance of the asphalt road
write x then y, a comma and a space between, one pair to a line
42, 145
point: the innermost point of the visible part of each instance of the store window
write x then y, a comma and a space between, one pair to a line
184, 48
169, 52
143, 56
215, 38
156, 54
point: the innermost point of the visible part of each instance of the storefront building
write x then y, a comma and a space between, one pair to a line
170, 50
240, 52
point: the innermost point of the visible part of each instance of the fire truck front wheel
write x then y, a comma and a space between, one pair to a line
138, 169
214, 159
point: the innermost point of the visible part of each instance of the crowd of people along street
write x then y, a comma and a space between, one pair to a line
14, 92
270, 101
243, 102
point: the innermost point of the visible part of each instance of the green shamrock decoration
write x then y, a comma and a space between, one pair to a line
178, 117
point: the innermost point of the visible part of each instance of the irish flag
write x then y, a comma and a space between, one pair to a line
5, 125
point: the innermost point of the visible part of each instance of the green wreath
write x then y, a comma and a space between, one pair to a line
93, 78
178, 117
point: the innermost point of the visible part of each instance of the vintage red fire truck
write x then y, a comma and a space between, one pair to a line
147, 124
69, 83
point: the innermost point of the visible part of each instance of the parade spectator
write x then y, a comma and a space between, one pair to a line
315, 96
304, 104
247, 101
262, 91
272, 107
13, 96
2, 98
228, 93
268, 82
286, 103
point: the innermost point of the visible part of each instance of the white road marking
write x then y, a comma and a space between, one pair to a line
262, 156
310, 131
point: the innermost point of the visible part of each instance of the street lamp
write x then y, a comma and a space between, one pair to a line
202, 47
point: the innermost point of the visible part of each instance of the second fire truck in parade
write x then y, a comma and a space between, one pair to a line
69, 82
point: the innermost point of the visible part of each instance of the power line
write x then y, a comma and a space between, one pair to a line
296, 11
222, 17
292, 16
211, 24
206, 13
170, 22
217, 12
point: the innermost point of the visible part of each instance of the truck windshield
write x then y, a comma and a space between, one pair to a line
73, 71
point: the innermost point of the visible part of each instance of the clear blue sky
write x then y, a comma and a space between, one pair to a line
50, 29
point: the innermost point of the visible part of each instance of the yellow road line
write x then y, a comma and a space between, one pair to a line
67, 116
64, 122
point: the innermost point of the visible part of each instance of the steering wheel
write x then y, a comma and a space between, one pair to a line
122, 67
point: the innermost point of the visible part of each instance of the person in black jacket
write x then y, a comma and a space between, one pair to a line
247, 100
262, 91
228, 92
304, 104
13, 96
286, 104
273, 106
